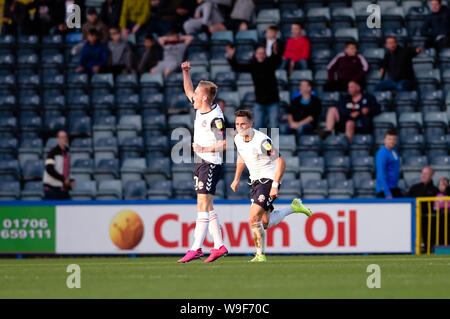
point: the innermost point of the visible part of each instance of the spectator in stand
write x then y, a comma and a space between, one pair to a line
397, 65
354, 112
121, 59
296, 53
207, 16
221, 103
304, 112
444, 191
349, 65
110, 12
174, 46
151, 55
240, 16
56, 174
270, 39
388, 167
17, 18
426, 187
94, 55
170, 14
93, 22
262, 69
61, 10
437, 26
133, 17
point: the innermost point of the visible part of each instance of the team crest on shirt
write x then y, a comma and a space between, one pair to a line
261, 198
267, 146
219, 124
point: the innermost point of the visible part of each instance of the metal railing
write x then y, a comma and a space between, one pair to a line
426, 209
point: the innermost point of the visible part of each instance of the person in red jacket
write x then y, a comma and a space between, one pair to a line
349, 66
296, 52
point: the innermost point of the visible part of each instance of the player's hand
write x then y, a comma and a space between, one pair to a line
197, 148
234, 186
365, 111
185, 66
135, 28
273, 192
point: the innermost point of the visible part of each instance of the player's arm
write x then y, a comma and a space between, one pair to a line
187, 81
275, 156
217, 126
240, 165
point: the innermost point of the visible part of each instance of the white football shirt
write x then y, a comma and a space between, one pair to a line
255, 154
204, 134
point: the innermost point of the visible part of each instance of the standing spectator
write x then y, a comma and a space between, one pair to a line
61, 10
207, 16
262, 69
349, 65
134, 15
94, 55
151, 55
121, 55
270, 39
397, 65
304, 112
174, 46
388, 167
170, 14
17, 17
426, 187
110, 12
296, 53
437, 26
56, 174
241, 15
354, 112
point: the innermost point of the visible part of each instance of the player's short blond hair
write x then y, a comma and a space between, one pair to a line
210, 88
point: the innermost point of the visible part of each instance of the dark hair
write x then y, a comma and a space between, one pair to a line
390, 36
307, 81
354, 81
299, 24
272, 27
92, 11
172, 32
114, 28
351, 43
57, 133
150, 37
391, 131
93, 31
243, 113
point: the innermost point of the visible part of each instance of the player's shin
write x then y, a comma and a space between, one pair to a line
259, 235
214, 229
278, 215
201, 227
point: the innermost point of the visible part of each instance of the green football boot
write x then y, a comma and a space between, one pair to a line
298, 207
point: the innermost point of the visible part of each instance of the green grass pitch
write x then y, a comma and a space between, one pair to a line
326, 276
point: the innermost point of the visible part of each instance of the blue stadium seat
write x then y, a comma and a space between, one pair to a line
8, 124
33, 170
292, 167
160, 189
7, 79
157, 169
134, 190
157, 145
335, 145
131, 147
412, 167
291, 188
26, 80
107, 169
80, 126
341, 189
109, 190
102, 100
320, 38
343, 17
318, 17
31, 146
411, 145
106, 145
363, 164
222, 37
287, 145
51, 58
84, 190
365, 188
155, 122
133, 169
178, 104
242, 192
9, 190
315, 189
151, 100
311, 168
27, 59
81, 145
127, 81
82, 169
78, 80
33, 190
154, 81
246, 37
180, 120
102, 80
52, 124
8, 102
182, 171
8, 147
309, 144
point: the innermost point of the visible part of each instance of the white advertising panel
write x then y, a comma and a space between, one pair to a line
166, 229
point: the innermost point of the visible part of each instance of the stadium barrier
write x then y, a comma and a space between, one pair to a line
357, 226
428, 222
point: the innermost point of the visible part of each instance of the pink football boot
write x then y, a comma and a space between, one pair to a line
191, 255
216, 253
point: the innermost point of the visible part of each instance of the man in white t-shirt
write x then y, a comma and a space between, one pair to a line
266, 167
209, 142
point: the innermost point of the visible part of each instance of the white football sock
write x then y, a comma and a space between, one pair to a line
201, 227
259, 235
278, 215
214, 229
